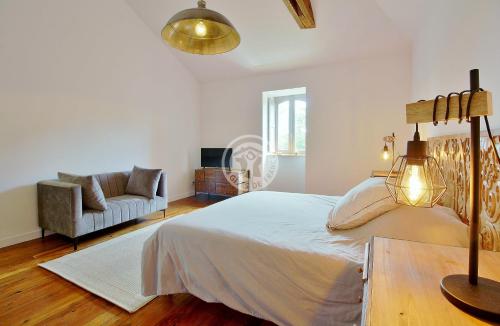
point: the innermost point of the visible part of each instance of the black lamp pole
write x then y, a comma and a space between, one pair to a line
475, 295
475, 167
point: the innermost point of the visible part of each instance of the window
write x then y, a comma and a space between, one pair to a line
286, 124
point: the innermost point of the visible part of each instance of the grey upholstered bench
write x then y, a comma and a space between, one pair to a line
60, 206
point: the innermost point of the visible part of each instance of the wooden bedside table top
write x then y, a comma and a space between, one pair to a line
381, 173
404, 282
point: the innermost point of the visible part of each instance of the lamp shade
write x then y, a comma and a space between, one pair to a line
200, 31
418, 182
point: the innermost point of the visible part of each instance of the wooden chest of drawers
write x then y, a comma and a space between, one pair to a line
221, 182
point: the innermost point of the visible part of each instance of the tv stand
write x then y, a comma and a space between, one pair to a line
213, 181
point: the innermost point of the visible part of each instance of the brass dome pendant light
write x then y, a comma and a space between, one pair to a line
200, 31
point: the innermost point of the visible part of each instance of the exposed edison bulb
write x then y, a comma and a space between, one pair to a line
201, 29
385, 153
415, 183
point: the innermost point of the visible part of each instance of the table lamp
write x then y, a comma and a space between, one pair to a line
420, 183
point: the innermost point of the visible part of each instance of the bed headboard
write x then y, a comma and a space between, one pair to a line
453, 155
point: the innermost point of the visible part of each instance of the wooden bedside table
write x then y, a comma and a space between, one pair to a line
402, 281
380, 173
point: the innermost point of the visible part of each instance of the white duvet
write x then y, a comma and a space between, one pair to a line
270, 255
267, 254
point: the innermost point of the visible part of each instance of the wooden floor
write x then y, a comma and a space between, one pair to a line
30, 295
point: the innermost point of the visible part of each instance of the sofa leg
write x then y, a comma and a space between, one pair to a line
43, 233
75, 243
164, 213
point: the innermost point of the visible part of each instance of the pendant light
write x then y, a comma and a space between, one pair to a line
200, 31
419, 181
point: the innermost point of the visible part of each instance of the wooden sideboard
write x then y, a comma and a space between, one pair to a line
402, 282
214, 181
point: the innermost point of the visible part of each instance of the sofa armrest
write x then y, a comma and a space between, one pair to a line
162, 186
59, 206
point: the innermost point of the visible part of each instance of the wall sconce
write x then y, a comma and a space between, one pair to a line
385, 152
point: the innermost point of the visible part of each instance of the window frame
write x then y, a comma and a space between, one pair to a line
272, 107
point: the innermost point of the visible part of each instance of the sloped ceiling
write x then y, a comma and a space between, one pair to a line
271, 40
409, 15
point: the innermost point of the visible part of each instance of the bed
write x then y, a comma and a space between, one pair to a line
270, 255
252, 255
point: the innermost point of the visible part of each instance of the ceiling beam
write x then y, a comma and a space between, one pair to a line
302, 12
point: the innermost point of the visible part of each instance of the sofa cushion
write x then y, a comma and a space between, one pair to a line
92, 195
120, 209
143, 182
113, 184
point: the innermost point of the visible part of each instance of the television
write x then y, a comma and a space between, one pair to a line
215, 158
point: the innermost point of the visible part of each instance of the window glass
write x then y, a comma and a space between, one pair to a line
300, 126
286, 124
272, 128
283, 126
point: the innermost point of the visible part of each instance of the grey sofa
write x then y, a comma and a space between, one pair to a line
60, 206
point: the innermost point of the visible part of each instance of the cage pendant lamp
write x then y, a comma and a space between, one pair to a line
419, 181
201, 31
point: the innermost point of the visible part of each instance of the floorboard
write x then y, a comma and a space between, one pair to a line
30, 295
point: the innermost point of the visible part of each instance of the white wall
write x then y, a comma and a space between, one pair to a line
352, 105
291, 175
454, 37
86, 87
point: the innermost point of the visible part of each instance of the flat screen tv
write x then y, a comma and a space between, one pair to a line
213, 157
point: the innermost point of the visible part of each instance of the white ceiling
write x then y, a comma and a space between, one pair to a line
271, 40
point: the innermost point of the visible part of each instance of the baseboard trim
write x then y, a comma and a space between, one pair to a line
23, 237
36, 234
180, 196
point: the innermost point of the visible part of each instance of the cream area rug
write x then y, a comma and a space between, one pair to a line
111, 270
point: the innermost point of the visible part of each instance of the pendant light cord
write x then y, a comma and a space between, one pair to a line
460, 112
434, 120
447, 115
486, 122
491, 138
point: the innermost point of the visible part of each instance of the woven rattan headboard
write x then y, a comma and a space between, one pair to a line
453, 155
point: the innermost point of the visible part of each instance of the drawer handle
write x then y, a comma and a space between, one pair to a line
365, 262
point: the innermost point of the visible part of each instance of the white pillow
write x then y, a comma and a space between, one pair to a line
438, 225
361, 204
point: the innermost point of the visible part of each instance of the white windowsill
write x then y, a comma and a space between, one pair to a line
287, 154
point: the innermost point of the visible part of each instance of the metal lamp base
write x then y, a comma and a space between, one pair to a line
481, 300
